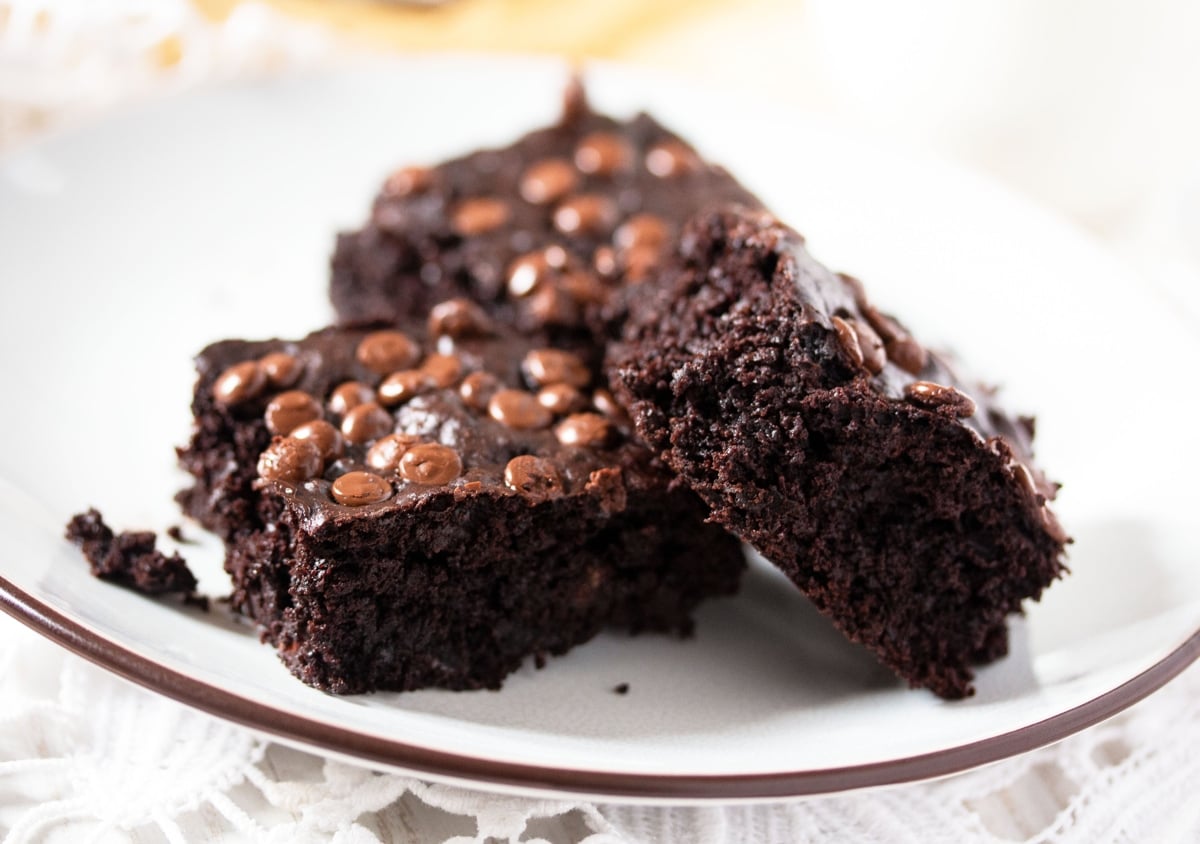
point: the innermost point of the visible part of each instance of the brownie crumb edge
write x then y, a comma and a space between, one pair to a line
130, 559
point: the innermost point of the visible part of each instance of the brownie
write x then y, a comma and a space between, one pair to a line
431, 502
541, 232
898, 496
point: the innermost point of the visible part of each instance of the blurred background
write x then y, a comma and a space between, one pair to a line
1091, 107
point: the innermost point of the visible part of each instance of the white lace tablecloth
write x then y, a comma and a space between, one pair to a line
85, 756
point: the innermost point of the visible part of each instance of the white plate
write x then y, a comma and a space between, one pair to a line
129, 245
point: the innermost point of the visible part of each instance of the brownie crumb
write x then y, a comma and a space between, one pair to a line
176, 533
130, 559
621, 689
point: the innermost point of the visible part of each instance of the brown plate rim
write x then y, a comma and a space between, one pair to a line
298, 729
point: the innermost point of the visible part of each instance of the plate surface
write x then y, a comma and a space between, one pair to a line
130, 244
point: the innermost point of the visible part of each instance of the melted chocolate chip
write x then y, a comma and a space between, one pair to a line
365, 423
478, 388
907, 354
848, 338
874, 356
561, 399
408, 180
603, 153
442, 370
583, 287
349, 395
554, 306
604, 261
240, 382
458, 318
585, 429
670, 159
480, 215
357, 489
527, 273
403, 386
641, 230
430, 464
518, 409
585, 213
384, 455
537, 478
548, 180
282, 370
290, 460
937, 397
383, 352
554, 366
324, 436
287, 411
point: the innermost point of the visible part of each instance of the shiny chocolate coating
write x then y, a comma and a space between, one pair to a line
430, 464
349, 395
385, 453
288, 411
358, 489
403, 386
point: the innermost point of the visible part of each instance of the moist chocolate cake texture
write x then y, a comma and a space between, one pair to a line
428, 503
130, 558
896, 495
542, 233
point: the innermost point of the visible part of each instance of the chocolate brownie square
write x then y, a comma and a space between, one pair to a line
431, 502
894, 493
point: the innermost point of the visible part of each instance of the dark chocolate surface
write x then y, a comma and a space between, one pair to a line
603, 196
897, 495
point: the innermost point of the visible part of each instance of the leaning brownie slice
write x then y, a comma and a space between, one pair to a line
427, 505
896, 495
540, 232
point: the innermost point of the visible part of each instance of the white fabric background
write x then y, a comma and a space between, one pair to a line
85, 756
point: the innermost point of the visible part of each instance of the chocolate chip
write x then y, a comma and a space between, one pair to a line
534, 477
357, 489
874, 356
585, 213
585, 429
907, 354
641, 230
287, 411
478, 388
527, 272
430, 464
383, 352
403, 386
240, 382
458, 318
936, 396
479, 215
290, 460
442, 370
365, 423
554, 306
385, 453
603, 153
282, 370
604, 260
848, 338
670, 158
324, 436
554, 366
561, 399
583, 287
518, 409
606, 403
408, 180
640, 263
548, 180
349, 395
